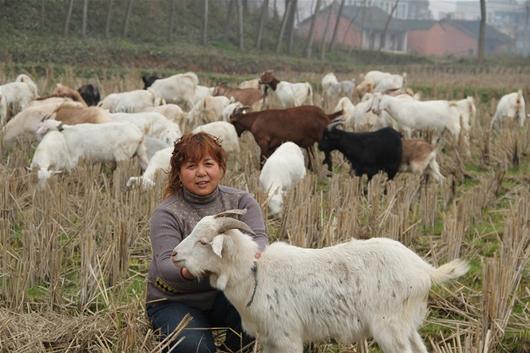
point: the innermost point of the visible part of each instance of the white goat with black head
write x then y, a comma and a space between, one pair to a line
291, 295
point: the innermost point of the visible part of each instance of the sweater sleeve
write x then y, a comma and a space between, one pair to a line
165, 235
254, 219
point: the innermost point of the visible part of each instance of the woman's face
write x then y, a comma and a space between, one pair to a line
201, 178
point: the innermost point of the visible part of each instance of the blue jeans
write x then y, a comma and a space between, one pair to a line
166, 316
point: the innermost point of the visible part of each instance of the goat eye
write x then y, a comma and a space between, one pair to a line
203, 242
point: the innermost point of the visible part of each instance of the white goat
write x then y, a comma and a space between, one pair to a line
332, 89
382, 82
64, 145
229, 109
159, 162
288, 94
207, 110
179, 88
201, 92
411, 114
153, 124
130, 102
510, 106
224, 131
3, 110
282, 171
18, 95
171, 111
291, 295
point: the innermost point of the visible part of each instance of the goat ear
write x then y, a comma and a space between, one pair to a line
217, 245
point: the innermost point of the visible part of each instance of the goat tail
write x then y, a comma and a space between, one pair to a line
449, 271
332, 116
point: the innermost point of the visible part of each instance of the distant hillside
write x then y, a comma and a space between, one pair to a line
32, 32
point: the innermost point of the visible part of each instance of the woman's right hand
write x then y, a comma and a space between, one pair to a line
185, 273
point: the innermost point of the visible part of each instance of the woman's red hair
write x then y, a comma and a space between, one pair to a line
192, 148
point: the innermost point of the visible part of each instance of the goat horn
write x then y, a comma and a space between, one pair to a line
226, 223
230, 213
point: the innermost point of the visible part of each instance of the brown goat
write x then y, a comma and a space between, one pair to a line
419, 157
66, 92
302, 125
71, 114
245, 96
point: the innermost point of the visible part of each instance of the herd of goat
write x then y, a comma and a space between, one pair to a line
291, 295
77, 124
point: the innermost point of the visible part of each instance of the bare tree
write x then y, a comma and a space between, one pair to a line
109, 17
311, 36
336, 29
171, 20
127, 17
240, 18
68, 17
85, 18
325, 34
205, 24
42, 13
227, 19
387, 23
482, 31
284, 23
290, 27
262, 19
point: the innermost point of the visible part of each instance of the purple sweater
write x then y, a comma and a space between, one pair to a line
172, 221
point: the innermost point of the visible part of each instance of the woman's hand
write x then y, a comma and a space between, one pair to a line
185, 273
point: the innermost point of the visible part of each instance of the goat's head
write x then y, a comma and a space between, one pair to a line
268, 79
211, 243
378, 104
235, 119
276, 201
331, 136
48, 125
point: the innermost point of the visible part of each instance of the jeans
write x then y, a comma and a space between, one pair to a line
198, 335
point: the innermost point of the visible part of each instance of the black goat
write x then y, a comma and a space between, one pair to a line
149, 80
367, 152
90, 94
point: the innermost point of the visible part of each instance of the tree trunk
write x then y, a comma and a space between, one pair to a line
42, 13
284, 22
227, 19
171, 20
205, 24
127, 18
311, 36
325, 35
109, 17
290, 33
85, 17
263, 18
336, 29
240, 20
383, 35
68, 17
482, 31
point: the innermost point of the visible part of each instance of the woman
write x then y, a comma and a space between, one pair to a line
198, 164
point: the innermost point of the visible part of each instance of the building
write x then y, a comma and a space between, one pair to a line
363, 27
406, 9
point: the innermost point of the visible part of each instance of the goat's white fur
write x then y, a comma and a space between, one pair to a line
17, 96
64, 145
179, 88
282, 171
510, 106
130, 102
159, 162
224, 131
290, 94
153, 124
350, 291
207, 110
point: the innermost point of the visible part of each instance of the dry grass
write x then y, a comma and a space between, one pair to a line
74, 256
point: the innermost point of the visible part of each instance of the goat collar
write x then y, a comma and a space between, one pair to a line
254, 270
